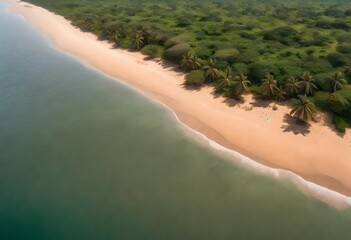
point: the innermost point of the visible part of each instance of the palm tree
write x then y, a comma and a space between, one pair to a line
269, 86
187, 62
303, 109
240, 85
225, 80
138, 41
211, 71
280, 94
306, 84
292, 86
337, 82
195, 62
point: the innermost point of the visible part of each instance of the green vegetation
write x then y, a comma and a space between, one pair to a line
303, 109
195, 78
283, 48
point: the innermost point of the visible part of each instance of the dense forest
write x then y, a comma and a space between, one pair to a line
281, 50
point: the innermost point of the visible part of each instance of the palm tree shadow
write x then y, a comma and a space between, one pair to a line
216, 94
171, 66
232, 102
261, 102
295, 126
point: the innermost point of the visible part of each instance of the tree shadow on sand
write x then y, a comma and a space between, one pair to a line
261, 102
326, 119
191, 87
295, 126
232, 102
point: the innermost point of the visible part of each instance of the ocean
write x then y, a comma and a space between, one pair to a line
83, 156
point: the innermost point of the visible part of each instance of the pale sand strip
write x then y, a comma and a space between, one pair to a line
320, 156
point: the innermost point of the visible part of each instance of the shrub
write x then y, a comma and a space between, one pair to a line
183, 22
195, 78
344, 48
337, 103
153, 51
258, 70
232, 27
316, 40
226, 54
162, 36
334, 12
212, 30
256, 89
203, 52
346, 93
174, 41
317, 65
248, 35
326, 24
339, 123
247, 56
322, 80
286, 35
290, 67
176, 52
337, 59
346, 37
320, 99
240, 68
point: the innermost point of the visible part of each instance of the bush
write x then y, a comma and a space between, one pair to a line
317, 65
286, 35
334, 12
344, 48
176, 52
174, 41
226, 54
183, 22
247, 35
320, 99
203, 52
290, 67
153, 51
346, 37
338, 59
195, 78
339, 123
316, 40
337, 103
326, 24
322, 80
255, 89
346, 93
247, 56
258, 70
212, 30
240, 68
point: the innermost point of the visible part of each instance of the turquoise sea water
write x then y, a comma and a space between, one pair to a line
85, 157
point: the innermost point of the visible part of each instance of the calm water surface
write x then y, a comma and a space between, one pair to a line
84, 157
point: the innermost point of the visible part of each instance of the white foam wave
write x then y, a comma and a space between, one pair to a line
324, 194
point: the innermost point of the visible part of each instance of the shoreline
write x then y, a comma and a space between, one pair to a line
319, 154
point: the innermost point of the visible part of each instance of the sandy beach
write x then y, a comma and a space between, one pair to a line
317, 153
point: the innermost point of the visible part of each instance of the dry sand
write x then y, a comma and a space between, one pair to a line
253, 128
